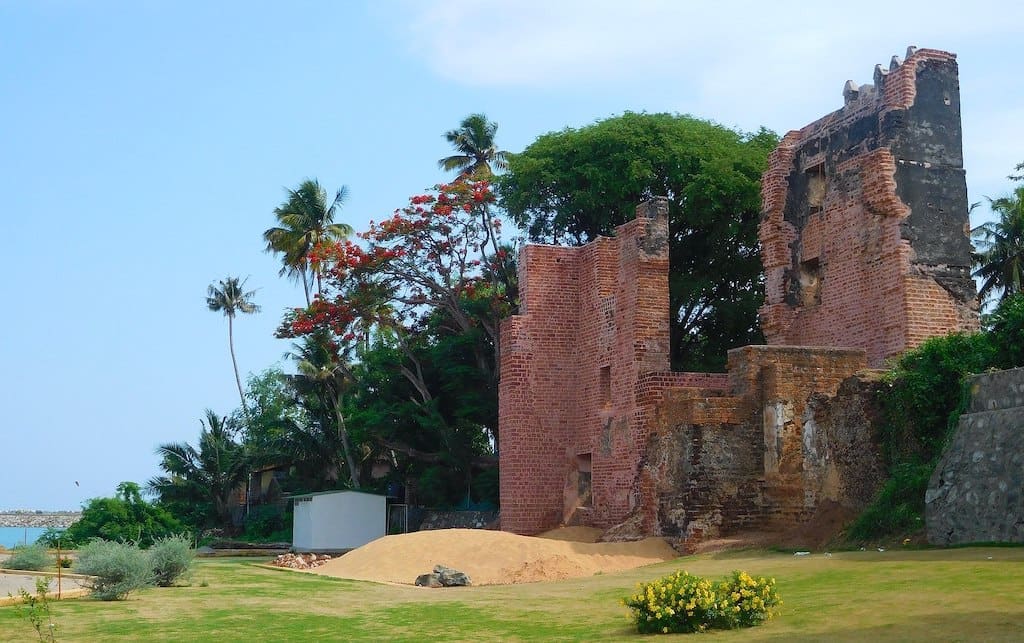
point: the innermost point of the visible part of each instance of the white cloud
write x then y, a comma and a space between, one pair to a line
779, 64
572, 43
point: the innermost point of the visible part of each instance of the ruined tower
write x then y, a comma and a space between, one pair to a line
864, 233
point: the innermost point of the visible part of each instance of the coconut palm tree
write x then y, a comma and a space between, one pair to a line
230, 297
1000, 256
321, 381
305, 219
204, 477
474, 142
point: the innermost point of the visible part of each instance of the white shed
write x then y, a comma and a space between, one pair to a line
337, 520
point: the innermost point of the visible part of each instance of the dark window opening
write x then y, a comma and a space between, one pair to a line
584, 496
816, 188
810, 282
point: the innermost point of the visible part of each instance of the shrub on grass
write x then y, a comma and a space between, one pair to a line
683, 602
116, 569
170, 558
899, 507
29, 557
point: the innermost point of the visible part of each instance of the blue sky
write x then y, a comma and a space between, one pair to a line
144, 145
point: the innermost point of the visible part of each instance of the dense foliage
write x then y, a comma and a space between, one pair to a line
1000, 257
201, 481
682, 603
573, 185
125, 517
398, 355
924, 399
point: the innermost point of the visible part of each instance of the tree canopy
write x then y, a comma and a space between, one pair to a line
124, 517
1000, 256
200, 481
574, 185
475, 149
305, 219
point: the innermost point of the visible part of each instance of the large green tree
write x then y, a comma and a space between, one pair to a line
305, 219
475, 149
1000, 256
124, 517
230, 297
574, 185
200, 482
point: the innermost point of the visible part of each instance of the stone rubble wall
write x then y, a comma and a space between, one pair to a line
45, 519
797, 428
976, 493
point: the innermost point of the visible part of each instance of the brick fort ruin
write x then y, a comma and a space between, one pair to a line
864, 236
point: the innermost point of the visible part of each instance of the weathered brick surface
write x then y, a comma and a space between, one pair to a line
591, 341
760, 454
864, 223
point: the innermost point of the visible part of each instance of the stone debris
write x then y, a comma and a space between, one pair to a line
45, 519
300, 561
443, 577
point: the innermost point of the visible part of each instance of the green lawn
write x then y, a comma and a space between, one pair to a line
971, 594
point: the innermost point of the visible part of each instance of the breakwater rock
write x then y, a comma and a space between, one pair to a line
44, 519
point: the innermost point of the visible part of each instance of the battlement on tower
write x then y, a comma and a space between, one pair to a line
864, 225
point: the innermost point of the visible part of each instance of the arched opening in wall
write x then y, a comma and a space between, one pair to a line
584, 496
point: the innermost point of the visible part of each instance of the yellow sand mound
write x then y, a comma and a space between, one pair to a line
492, 557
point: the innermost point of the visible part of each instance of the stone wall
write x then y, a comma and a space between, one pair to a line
976, 493
865, 232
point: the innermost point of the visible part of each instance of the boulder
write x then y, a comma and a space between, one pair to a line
428, 580
443, 576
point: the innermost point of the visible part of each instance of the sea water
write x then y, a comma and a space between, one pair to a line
11, 536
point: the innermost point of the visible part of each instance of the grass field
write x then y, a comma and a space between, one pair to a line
972, 594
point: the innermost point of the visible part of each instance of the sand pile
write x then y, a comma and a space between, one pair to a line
494, 557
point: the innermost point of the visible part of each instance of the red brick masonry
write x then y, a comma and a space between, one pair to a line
864, 237
864, 229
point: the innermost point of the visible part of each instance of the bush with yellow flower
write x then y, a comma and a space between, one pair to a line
682, 602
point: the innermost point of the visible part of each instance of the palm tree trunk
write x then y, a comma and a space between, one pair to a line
234, 363
343, 434
305, 287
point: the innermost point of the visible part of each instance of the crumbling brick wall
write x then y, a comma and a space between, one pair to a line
865, 246
581, 362
762, 453
864, 227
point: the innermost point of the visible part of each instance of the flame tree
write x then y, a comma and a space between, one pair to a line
420, 300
